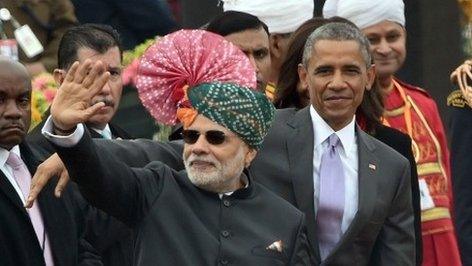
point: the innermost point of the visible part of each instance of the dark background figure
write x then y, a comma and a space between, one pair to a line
48, 20
460, 129
136, 20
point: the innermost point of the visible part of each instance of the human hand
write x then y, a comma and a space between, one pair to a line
71, 105
51, 167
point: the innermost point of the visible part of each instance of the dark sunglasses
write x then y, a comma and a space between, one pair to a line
214, 137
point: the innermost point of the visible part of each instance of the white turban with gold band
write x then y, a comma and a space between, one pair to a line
282, 16
365, 13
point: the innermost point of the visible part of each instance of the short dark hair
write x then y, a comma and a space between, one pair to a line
234, 21
97, 37
286, 94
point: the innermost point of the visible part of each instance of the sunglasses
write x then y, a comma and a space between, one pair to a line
214, 137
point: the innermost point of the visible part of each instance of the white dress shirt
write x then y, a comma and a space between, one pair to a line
8, 171
349, 158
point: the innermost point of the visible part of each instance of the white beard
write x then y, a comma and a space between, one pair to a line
219, 177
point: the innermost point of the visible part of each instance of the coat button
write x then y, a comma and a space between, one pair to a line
226, 203
225, 233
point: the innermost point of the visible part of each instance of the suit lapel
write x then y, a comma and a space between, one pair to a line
367, 176
7, 189
299, 143
52, 209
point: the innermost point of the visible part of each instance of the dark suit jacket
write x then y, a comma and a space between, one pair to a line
461, 162
112, 239
382, 233
180, 224
402, 144
62, 218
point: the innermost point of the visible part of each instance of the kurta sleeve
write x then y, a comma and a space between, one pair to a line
123, 192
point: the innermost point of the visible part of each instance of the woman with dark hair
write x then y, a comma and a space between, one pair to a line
291, 93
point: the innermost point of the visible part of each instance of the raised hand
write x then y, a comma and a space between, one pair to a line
71, 104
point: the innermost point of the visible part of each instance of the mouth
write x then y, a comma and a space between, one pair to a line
335, 99
13, 129
201, 165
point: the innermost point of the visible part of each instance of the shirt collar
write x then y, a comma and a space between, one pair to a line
322, 131
106, 129
5, 153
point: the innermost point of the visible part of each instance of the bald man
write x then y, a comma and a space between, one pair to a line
36, 236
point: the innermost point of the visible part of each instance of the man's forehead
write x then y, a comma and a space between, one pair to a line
251, 39
111, 57
340, 50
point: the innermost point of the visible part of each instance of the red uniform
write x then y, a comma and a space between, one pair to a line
411, 110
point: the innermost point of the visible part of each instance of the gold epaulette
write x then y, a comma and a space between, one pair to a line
455, 99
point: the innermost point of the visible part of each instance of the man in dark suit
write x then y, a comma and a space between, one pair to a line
97, 42
373, 225
112, 239
460, 127
36, 236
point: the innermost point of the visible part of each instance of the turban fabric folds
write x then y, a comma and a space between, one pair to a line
365, 13
191, 72
283, 16
246, 112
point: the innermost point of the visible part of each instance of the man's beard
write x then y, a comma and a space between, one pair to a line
220, 176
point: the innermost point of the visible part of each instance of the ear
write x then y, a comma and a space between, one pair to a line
275, 45
370, 77
303, 75
250, 155
59, 76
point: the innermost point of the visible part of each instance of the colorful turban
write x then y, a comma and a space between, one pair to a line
193, 72
246, 112
283, 16
365, 13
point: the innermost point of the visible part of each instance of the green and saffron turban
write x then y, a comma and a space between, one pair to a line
246, 112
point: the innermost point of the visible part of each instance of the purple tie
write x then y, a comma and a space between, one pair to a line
23, 179
331, 198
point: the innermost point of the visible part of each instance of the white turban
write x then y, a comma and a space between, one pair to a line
365, 13
281, 16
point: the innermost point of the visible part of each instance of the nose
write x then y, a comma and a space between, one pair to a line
253, 62
106, 90
201, 146
12, 110
383, 47
337, 82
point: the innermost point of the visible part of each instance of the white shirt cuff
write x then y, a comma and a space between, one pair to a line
63, 141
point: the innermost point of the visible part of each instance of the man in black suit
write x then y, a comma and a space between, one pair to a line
460, 127
112, 239
36, 236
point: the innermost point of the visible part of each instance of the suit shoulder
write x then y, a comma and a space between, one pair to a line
385, 151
